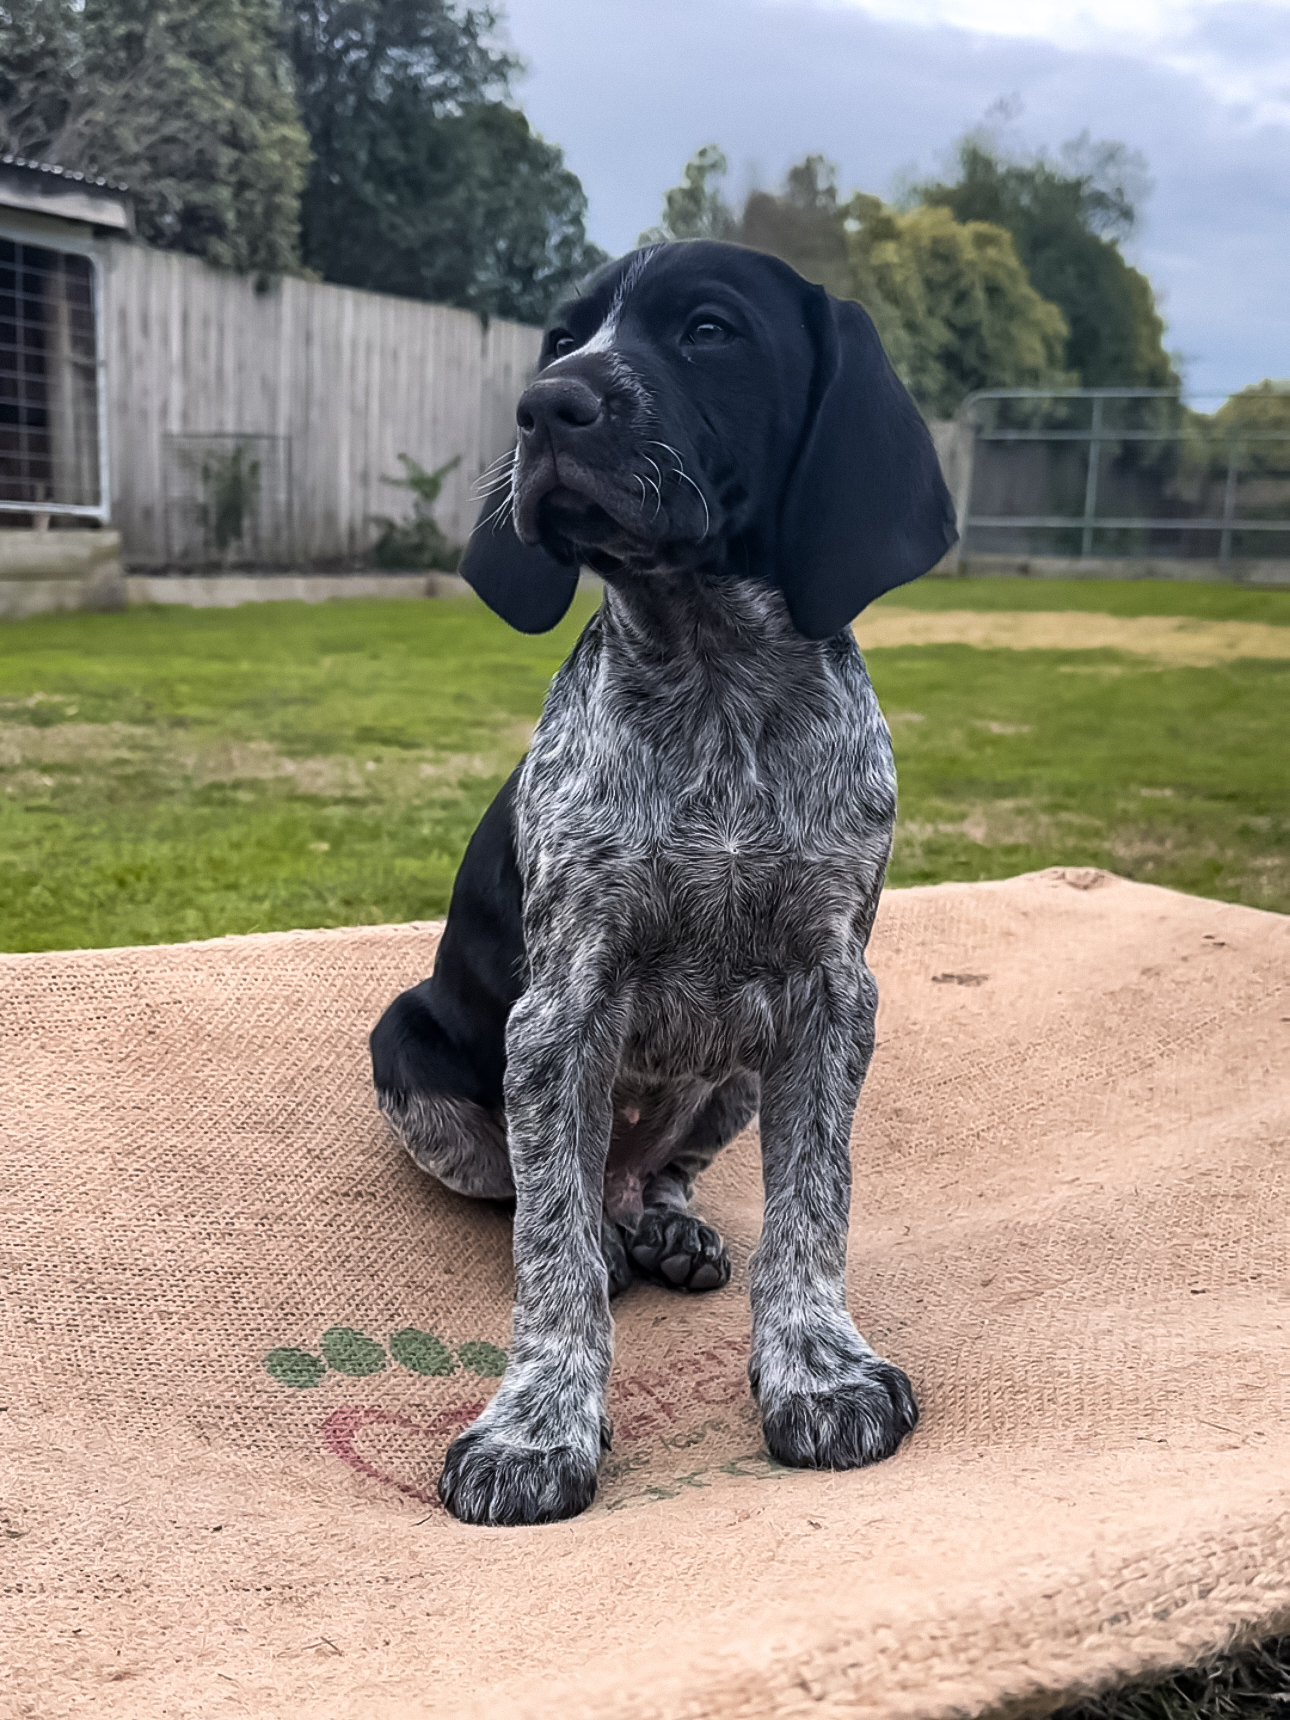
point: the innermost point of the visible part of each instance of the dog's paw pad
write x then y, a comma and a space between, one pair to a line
709, 1275
488, 1480
858, 1423
680, 1251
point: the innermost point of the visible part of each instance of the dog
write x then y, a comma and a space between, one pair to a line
658, 929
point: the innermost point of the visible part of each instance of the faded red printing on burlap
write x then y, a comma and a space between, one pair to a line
239, 1330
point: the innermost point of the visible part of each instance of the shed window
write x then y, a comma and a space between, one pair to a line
49, 419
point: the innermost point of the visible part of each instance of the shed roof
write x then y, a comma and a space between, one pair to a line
47, 189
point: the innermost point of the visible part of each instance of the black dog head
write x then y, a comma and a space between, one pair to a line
701, 406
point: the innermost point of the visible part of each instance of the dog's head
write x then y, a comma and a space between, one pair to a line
702, 406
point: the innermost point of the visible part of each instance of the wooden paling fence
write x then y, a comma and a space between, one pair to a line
303, 394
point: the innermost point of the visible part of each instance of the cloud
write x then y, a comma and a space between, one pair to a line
630, 88
1239, 49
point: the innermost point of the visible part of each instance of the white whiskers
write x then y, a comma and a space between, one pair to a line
497, 519
493, 476
684, 477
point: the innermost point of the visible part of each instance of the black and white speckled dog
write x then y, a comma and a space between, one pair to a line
659, 926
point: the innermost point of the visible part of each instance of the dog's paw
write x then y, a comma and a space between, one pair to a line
860, 1422
487, 1479
678, 1250
617, 1265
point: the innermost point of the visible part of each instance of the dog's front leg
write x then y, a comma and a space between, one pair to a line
827, 1400
531, 1457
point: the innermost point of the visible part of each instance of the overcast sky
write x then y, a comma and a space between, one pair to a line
630, 88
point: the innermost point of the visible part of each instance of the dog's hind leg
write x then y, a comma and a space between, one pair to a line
438, 1051
455, 1140
671, 1245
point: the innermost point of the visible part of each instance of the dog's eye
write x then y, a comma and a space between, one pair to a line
706, 331
562, 345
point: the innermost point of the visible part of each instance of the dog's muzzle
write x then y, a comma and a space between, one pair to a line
576, 454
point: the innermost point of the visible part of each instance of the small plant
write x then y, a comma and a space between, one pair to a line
419, 542
231, 488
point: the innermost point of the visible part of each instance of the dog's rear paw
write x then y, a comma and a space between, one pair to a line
861, 1422
678, 1250
617, 1265
489, 1480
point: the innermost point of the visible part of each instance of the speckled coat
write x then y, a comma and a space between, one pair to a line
695, 846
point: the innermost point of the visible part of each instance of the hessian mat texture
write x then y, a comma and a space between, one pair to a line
239, 1328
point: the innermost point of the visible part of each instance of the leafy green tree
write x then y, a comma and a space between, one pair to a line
40, 63
188, 102
1067, 218
951, 300
953, 304
1263, 409
696, 208
805, 224
1256, 421
424, 181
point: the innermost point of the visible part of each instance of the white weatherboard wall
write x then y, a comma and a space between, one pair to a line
353, 378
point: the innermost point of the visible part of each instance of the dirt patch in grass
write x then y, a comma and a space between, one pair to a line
73, 744
999, 824
226, 759
1168, 638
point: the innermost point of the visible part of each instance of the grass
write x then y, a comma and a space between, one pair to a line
171, 773
1012, 760
1202, 602
1251, 1684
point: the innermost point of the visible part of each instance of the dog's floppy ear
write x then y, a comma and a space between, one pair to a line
527, 587
865, 508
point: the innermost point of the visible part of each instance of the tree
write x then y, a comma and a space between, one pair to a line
805, 225
951, 300
1067, 219
696, 208
424, 181
40, 60
953, 303
1260, 413
189, 102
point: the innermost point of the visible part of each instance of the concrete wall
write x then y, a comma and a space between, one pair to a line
228, 591
47, 570
352, 378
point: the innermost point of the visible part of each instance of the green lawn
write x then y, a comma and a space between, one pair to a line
1106, 596
170, 773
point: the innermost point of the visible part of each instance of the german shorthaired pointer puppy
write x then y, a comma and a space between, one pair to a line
659, 927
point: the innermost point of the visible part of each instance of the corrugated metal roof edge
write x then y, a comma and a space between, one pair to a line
61, 172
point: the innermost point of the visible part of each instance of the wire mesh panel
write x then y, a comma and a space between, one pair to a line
228, 500
49, 399
1124, 473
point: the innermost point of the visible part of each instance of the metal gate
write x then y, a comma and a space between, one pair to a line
1123, 473
53, 450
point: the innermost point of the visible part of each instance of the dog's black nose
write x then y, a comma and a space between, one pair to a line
558, 403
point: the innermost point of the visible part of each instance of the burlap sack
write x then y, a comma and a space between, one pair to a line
240, 1328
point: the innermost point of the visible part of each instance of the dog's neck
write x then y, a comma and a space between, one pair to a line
704, 670
669, 615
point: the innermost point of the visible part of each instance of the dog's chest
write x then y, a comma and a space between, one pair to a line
706, 823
